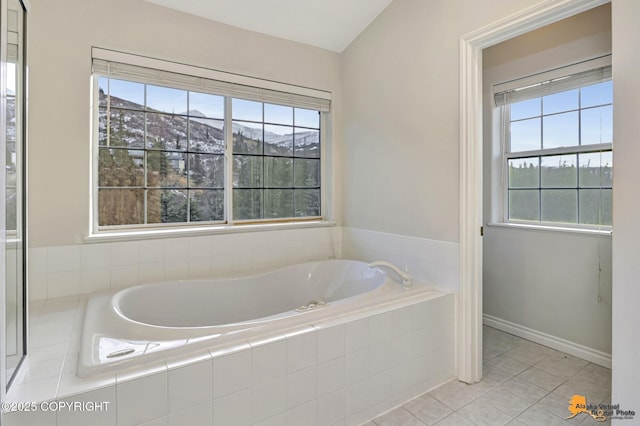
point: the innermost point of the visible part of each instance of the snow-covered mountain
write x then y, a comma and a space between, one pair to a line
165, 131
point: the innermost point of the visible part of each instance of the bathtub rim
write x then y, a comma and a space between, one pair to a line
258, 335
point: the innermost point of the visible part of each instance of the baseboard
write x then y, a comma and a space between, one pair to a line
572, 348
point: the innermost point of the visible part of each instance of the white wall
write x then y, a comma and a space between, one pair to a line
626, 210
61, 35
545, 281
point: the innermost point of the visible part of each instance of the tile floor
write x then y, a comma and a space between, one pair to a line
523, 384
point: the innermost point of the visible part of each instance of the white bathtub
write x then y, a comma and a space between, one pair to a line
147, 323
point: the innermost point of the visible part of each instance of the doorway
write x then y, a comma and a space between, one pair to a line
469, 306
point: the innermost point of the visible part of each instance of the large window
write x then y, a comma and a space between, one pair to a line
176, 149
558, 150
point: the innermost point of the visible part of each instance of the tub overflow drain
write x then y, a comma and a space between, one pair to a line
121, 352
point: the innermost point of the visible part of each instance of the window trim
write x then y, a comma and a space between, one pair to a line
501, 132
228, 224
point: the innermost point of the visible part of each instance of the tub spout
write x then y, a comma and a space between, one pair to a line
407, 279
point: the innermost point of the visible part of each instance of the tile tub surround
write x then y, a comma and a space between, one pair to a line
84, 268
345, 371
428, 261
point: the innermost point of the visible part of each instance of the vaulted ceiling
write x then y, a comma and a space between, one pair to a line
328, 24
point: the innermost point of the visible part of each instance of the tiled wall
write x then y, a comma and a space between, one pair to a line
84, 268
340, 373
429, 261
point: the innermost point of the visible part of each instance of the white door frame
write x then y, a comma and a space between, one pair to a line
469, 302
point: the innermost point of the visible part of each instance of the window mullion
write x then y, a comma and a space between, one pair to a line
146, 161
228, 160
584, 149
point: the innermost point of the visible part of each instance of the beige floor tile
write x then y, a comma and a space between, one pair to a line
541, 378
456, 394
507, 364
562, 365
522, 355
505, 401
483, 414
427, 409
539, 416
454, 419
398, 417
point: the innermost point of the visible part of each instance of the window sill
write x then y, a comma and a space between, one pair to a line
549, 228
146, 234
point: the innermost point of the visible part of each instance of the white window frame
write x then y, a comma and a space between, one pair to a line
230, 85
501, 131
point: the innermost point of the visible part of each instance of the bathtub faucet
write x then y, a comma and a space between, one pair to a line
407, 279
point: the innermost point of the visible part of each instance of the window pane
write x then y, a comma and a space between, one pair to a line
307, 118
166, 132
278, 172
278, 140
560, 130
102, 126
524, 172
559, 102
307, 202
247, 138
559, 171
206, 171
278, 114
11, 133
595, 206
596, 94
596, 169
120, 167
166, 205
246, 110
120, 206
166, 169
597, 125
123, 93
205, 105
206, 135
524, 204
526, 109
307, 143
12, 209
560, 205
307, 173
165, 99
126, 128
247, 172
103, 90
278, 203
525, 135
206, 205
247, 204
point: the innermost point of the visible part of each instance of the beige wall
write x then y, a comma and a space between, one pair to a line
61, 35
524, 270
400, 81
